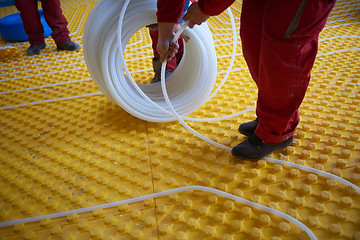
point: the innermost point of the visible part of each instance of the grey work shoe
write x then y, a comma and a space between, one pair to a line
68, 46
254, 148
34, 49
157, 69
248, 128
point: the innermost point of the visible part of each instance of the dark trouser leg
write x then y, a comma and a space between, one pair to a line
31, 20
56, 20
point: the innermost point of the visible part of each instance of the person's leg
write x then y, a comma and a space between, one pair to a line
31, 20
56, 20
251, 33
252, 12
287, 53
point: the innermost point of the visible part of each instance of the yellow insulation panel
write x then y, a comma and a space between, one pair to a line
64, 146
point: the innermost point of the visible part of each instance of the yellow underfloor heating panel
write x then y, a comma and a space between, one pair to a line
9, 53
64, 146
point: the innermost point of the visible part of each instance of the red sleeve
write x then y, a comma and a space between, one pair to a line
169, 10
214, 7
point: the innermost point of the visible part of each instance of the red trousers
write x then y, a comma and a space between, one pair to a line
53, 16
172, 64
280, 43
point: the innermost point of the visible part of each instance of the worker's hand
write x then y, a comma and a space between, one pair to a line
195, 15
166, 34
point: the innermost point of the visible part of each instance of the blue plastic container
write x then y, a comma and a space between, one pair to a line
12, 29
6, 3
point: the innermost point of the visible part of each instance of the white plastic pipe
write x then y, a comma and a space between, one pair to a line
168, 192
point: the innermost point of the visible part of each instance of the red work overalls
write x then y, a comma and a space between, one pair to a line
280, 43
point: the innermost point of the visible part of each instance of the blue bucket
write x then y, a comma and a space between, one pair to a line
6, 3
12, 29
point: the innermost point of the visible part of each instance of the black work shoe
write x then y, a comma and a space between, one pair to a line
35, 49
157, 69
68, 46
254, 148
248, 128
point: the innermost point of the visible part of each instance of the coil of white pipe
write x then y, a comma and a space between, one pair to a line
189, 86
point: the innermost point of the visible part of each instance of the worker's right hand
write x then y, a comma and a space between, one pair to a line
195, 15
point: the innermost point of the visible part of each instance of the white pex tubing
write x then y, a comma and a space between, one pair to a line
168, 192
189, 86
